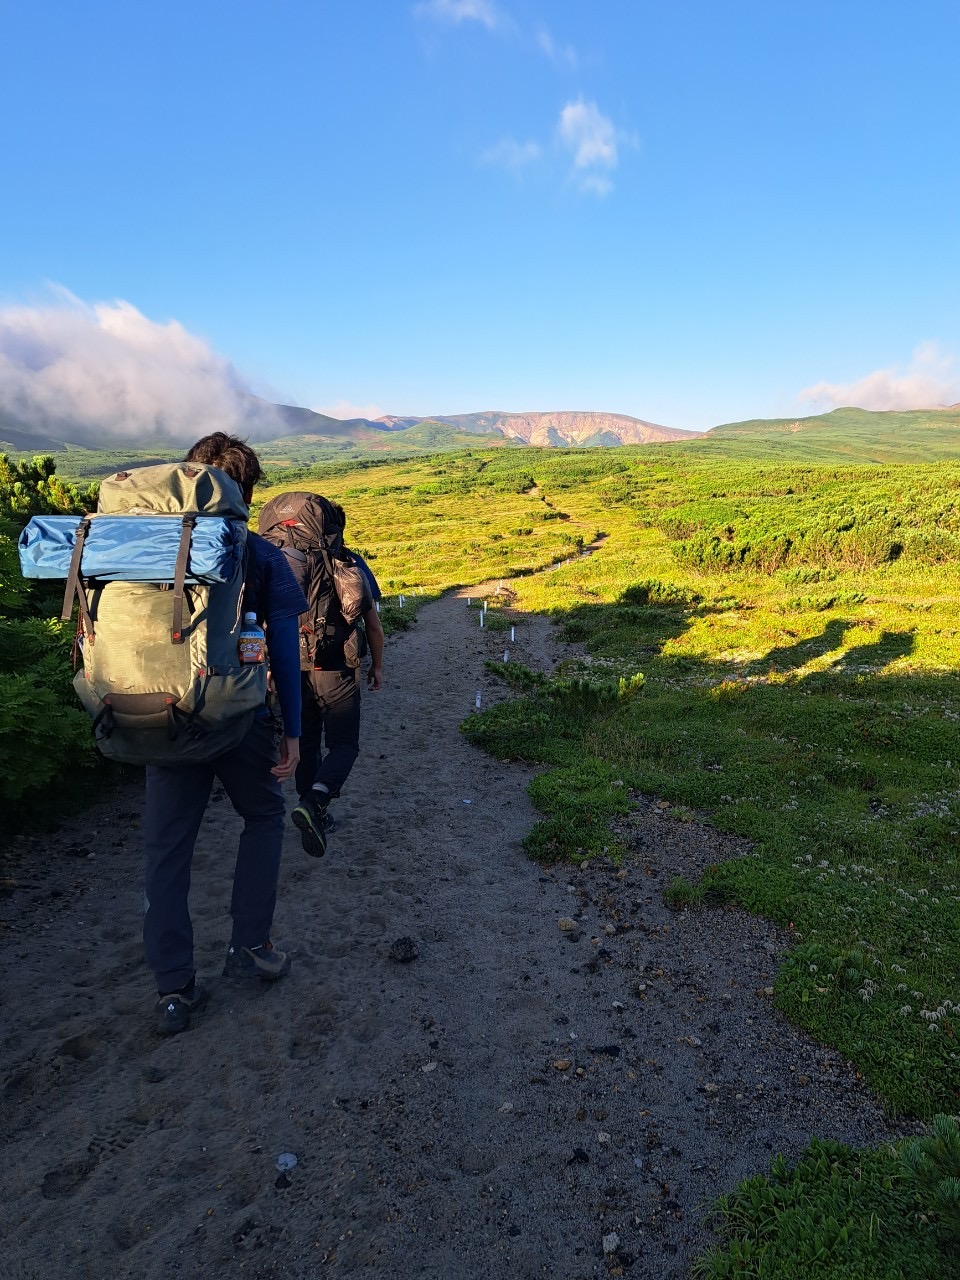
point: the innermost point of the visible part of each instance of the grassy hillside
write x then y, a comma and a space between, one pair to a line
844, 435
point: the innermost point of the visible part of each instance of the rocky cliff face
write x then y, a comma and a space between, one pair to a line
582, 428
563, 427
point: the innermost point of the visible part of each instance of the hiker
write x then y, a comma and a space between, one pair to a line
251, 774
309, 530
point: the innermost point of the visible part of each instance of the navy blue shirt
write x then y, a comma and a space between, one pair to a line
372, 583
279, 604
278, 595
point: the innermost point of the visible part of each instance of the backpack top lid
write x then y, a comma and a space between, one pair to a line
173, 488
304, 519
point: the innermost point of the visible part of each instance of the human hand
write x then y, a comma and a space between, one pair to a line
286, 767
375, 678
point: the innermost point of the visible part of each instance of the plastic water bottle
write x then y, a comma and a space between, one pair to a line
253, 643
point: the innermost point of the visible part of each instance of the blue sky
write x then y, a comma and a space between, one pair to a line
688, 212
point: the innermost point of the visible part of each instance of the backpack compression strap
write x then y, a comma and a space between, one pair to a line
74, 585
179, 574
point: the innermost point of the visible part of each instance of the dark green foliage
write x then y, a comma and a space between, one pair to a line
44, 736
838, 1214
932, 1165
682, 892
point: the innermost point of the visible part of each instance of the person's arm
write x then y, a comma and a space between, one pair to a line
283, 647
371, 622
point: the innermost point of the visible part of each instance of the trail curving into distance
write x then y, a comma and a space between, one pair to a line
567, 1067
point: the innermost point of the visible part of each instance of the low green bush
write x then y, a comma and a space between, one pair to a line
837, 1214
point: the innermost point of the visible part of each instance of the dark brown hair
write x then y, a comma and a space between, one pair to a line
230, 454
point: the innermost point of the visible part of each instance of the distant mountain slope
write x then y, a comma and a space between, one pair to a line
560, 428
848, 435
842, 435
22, 440
265, 422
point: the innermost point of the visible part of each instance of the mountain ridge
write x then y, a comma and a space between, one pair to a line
292, 435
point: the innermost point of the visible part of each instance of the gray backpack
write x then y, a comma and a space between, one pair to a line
159, 631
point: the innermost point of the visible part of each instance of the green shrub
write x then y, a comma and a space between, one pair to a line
837, 1214
932, 1165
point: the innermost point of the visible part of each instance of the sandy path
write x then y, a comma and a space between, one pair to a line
493, 1109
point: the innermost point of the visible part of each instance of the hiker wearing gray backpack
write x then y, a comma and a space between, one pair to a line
174, 593
251, 773
308, 530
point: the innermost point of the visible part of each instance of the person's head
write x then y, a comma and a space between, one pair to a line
232, 455
341, 513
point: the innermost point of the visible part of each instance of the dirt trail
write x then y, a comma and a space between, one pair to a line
502, 1106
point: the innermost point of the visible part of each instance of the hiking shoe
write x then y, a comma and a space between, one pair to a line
309, 819
264, 962
174, 1009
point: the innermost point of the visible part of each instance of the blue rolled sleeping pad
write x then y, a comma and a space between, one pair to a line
131, 548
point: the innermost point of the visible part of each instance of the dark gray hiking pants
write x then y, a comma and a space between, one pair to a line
175, 804
330, 717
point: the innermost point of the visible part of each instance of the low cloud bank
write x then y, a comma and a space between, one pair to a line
930, 380
103, 373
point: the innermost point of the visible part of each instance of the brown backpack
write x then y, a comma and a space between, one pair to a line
308, 530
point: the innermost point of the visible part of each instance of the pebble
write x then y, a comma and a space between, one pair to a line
562, 1064
566, 924
403, 950
611, 1243
428, 1067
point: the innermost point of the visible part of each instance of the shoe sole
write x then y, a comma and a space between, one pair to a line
313, 843
246, 975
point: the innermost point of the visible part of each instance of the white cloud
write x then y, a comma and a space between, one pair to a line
457, 11
105, 373
513, 155
563, 56
588, 134
593, 142
345, 409
930, 379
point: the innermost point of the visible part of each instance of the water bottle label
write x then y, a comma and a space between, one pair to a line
252, 648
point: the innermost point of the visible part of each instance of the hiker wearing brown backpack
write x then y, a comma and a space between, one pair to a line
308, 529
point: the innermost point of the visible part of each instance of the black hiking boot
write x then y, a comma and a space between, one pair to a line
174, 1009
264, 962
310, 819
